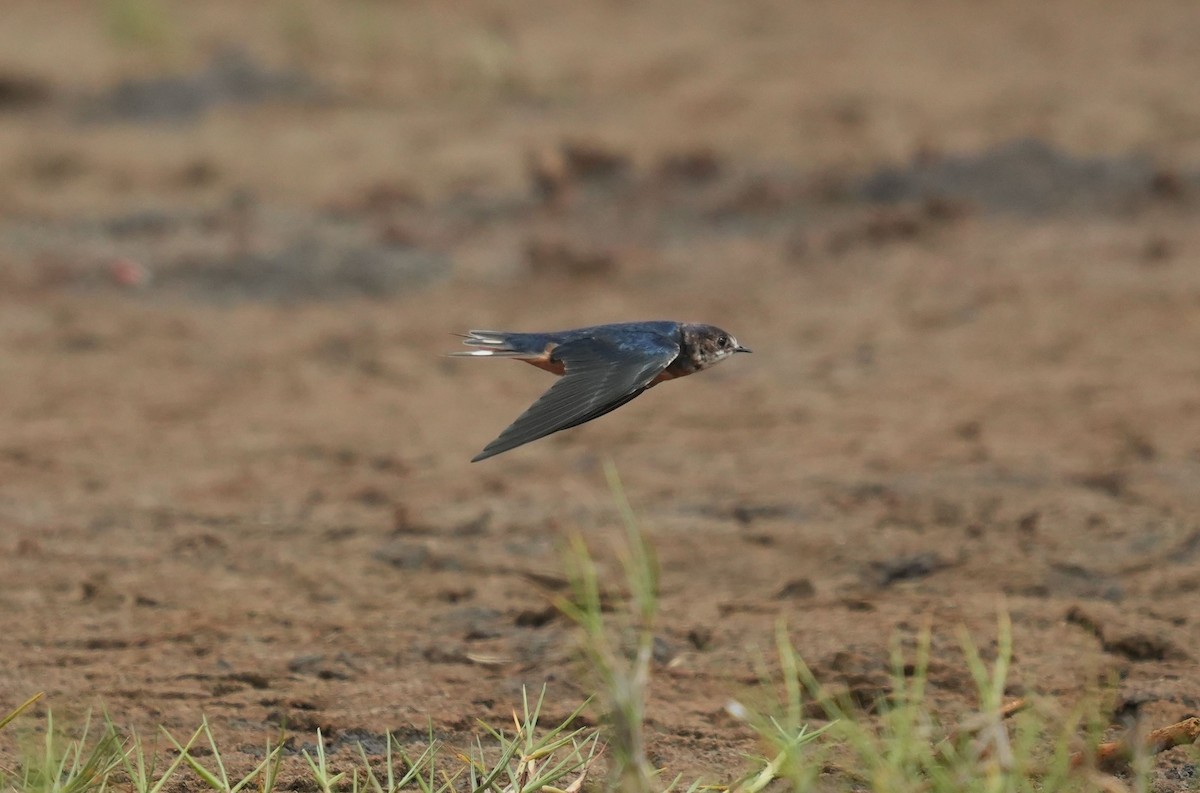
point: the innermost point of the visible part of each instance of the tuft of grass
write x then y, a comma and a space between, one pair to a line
63, 765
530, 761
902, 744
623, 675
420, 773
140, 762
783, 729
217, 778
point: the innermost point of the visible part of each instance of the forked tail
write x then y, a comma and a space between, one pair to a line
490, 344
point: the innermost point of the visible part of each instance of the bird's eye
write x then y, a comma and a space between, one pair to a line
722, 341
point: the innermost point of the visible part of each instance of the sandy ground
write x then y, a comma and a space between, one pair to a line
961, 239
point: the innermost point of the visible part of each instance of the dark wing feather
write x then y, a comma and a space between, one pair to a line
599, 377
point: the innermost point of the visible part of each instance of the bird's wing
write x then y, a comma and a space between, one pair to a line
600, 376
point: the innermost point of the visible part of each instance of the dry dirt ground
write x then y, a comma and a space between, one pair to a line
962, 240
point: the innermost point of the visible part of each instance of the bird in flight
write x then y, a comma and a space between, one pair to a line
602, 368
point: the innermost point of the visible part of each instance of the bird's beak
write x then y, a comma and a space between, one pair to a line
740, 348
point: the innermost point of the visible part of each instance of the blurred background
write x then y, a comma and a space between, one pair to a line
235, 239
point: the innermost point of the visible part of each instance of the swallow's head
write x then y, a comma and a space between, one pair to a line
706, 345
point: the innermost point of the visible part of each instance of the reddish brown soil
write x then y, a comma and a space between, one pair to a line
248, 497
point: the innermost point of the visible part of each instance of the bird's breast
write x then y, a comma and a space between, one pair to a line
680, 367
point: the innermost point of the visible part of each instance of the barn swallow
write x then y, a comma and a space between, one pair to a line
602, 368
